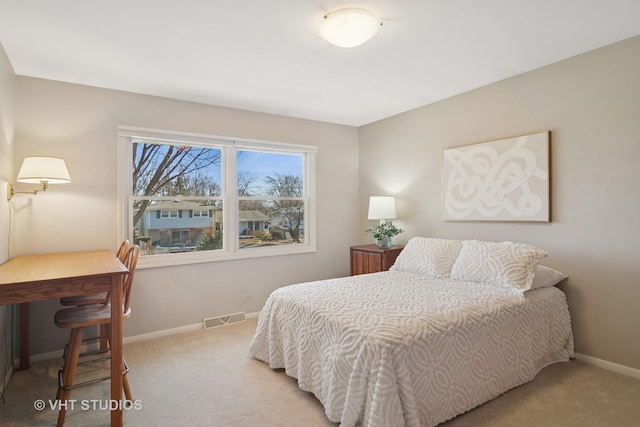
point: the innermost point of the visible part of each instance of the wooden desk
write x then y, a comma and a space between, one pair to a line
38, 277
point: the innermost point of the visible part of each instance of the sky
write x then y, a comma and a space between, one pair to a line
265, 164
258, 164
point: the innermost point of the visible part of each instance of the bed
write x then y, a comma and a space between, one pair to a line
452, 325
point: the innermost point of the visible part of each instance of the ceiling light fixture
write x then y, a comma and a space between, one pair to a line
349, 27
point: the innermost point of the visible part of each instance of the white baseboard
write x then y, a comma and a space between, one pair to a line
163, 333
167, 332
135, 338
40, 357
600, 363
609, 366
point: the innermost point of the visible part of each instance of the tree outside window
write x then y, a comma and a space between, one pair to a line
181, 197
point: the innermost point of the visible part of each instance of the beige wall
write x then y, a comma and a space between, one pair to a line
79, 124
7, 123
591, 105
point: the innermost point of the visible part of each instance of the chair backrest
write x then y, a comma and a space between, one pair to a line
122, 250
130, 261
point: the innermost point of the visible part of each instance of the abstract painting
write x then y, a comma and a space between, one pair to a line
503, 180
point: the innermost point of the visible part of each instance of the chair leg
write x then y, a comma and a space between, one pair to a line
125, 385
69, 372
125, 378
67, 363
104, 343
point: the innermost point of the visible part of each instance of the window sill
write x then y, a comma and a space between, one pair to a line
168, 260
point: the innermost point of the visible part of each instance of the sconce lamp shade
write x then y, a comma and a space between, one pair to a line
349, 27
382, 207
37, 170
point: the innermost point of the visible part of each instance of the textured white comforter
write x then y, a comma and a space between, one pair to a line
393, 348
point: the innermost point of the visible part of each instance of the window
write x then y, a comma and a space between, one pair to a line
196, 198
168, 214
271, 202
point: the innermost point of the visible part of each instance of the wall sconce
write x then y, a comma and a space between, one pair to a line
382, 208
349, 27
40, 170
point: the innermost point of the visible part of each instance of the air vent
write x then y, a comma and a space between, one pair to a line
215, 322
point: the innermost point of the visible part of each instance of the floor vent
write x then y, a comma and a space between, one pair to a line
215, 322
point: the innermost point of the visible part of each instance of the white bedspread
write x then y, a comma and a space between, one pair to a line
393, 348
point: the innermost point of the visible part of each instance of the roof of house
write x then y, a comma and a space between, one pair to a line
253, 216
178, 205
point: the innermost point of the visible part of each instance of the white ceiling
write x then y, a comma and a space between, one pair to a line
267, 56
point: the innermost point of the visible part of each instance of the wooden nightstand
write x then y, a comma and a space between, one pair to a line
372, 259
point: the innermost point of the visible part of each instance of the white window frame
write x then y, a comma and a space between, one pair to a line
229, 147
168, 214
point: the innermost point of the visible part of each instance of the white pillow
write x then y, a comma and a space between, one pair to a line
428, 257
497, 264
546, 277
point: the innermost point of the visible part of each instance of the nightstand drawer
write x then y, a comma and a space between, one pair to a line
371, 259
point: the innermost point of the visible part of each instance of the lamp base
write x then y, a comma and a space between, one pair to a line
11, 191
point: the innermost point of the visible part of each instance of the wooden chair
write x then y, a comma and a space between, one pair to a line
78, 300
78, 318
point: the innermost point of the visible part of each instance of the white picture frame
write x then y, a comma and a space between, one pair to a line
502, 180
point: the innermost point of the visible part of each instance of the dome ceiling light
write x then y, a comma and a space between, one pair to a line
349, 27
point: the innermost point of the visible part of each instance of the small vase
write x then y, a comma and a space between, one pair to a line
384, 242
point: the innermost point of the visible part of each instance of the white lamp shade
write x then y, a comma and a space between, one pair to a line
382, 207
36, 170
349, 27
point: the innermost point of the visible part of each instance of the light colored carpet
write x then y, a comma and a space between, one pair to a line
206, 378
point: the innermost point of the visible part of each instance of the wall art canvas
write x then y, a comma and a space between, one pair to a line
504, 180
